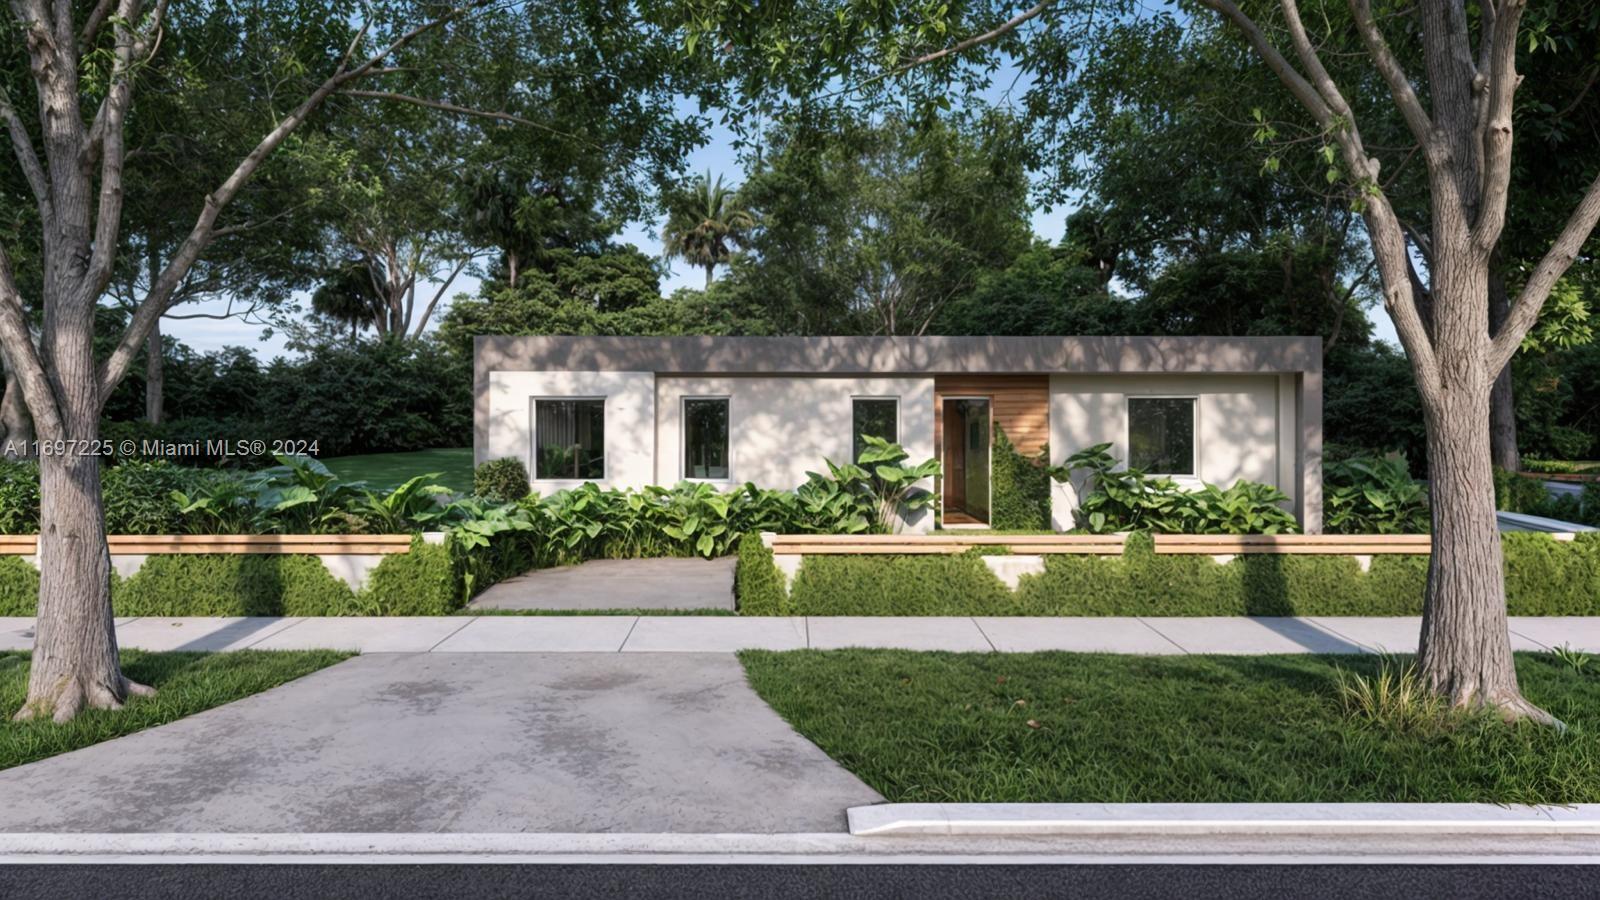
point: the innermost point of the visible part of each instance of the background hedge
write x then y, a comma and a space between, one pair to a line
422, 582
1544, 577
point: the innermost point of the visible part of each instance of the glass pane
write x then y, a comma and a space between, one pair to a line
705, 438
879, 418
1161, 435
570, 439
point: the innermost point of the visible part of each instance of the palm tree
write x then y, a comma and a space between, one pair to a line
706, 224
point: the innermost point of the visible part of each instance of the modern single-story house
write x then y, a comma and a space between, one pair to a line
634, 411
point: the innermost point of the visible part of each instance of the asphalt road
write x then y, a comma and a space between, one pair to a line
487, 882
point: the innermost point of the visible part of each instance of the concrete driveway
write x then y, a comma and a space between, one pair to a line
662, 583
458, 742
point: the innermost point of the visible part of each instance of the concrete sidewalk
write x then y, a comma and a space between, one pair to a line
725, 634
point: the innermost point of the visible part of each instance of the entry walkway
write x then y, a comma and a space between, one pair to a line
725, 634
658, 583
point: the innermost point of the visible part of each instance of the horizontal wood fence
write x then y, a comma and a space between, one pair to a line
1100, 544
313, 544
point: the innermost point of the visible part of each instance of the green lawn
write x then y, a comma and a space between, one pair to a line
469, 611
388, 470
1057, 727
185, 683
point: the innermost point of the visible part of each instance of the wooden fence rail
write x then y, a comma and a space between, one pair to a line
313, 544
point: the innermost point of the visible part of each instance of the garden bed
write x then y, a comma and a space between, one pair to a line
185, 683
1058, 727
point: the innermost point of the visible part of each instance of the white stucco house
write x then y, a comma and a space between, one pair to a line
633, 411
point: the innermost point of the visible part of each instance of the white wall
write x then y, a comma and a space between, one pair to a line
629, 420
1246, 427
782, 427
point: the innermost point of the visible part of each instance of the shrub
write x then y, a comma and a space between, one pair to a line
757, 583
232, 584
1368, 495
138, 496
898, 586
19, 587
1019, 487
19, 497
423, 582
501, 480
1129, 500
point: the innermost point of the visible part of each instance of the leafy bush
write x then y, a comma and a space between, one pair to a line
898, 586
422, 582
232, 584
1019, 487
19, 497
138, 497
757, 583
501, 480
1368, 495
1519, 494
19, 587
873, 494
1129, 500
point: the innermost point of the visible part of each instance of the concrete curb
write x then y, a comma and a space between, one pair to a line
1170, 819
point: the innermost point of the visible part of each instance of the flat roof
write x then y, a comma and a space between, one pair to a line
897, 355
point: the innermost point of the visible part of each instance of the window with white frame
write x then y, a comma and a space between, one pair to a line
705, 438
1161, 435
878, 417
569, 439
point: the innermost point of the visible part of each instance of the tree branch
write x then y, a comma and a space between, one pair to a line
32, 170
427, 311
1297, 84
1416, 118
22, 357
1525, 311
157, 300
1494, 126
990, 36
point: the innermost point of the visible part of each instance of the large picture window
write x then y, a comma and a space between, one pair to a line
875, 416
1161, 435
570, 439
705, 438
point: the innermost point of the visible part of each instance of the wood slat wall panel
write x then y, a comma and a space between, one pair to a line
1020, 404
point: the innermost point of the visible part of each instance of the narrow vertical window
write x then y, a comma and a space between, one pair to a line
1161, 435
875, 416
705, 438
569, 439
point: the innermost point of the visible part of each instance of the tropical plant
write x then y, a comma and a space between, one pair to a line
1130, 500
301, 496
411, 505
876, 493
222, 504
1368, 495
706, 224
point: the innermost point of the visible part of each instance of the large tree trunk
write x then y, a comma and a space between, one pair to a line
1502, 404
155, 378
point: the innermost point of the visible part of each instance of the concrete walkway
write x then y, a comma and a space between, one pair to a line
725, 634
452, 743
664, 583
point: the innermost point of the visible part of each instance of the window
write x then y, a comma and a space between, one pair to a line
705, 438
1161, 435
878, 417
569, 439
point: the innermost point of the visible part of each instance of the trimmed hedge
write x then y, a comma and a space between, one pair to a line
1544, 577
895, 586
757, 582
423, 582
1019, 487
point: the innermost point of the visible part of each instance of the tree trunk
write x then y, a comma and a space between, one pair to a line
1502, 404
709, 270
511, 267
14, 418
75, 662
155, 379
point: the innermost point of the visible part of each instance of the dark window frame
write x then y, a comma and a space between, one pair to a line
1194, 433
605, 457
727, 437
855, 431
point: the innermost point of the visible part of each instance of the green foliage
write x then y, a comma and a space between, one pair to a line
422, 582
706, 224
1020, 487
1373, 496
1520, 494
501, 480
19, 587
1129, 500
19, 497
1371, 405
757, 583
232, 584
897, 586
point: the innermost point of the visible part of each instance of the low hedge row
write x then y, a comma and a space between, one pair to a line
1545, 577
422, 582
